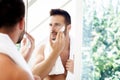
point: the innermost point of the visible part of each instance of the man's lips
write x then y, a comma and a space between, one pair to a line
54, 33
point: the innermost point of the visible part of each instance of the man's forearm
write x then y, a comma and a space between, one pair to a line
43, 68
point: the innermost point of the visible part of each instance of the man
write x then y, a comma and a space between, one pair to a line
60, 20
12, 64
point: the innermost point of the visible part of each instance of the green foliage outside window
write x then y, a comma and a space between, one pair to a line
105, 40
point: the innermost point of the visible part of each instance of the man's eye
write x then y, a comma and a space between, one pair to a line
50, 24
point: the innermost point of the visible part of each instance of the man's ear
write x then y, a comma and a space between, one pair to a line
69, 27
22, 24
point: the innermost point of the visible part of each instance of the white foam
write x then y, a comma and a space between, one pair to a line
62, 29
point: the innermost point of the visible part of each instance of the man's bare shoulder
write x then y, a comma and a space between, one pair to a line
9, 70
39, 52
40, 48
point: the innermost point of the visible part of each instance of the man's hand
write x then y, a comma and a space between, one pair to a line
70, 65
59, 43
27, 46
36, 77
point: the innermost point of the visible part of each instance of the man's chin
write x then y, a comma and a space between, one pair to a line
53, 38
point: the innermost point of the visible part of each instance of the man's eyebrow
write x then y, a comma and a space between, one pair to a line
57, 24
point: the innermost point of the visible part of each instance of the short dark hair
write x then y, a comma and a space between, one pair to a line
11, 12
63, 13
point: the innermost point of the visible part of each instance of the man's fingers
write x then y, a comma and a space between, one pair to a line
30, 37
36, 77
70, 65
59, 43
23, 42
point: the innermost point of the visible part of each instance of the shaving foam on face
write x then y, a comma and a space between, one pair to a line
62, 29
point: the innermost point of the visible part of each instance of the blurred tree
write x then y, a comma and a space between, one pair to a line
105, 24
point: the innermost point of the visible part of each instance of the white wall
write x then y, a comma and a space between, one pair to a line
77, 28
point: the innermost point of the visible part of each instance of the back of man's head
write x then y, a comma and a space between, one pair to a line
11, 12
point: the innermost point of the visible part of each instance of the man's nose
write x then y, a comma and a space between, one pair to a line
53, 28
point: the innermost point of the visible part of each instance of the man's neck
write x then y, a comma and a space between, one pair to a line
67, 43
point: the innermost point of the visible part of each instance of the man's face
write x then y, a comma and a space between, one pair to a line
21, 36
56, 23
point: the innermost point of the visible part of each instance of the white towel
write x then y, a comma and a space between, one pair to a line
70, 76
58, 67
8, 47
